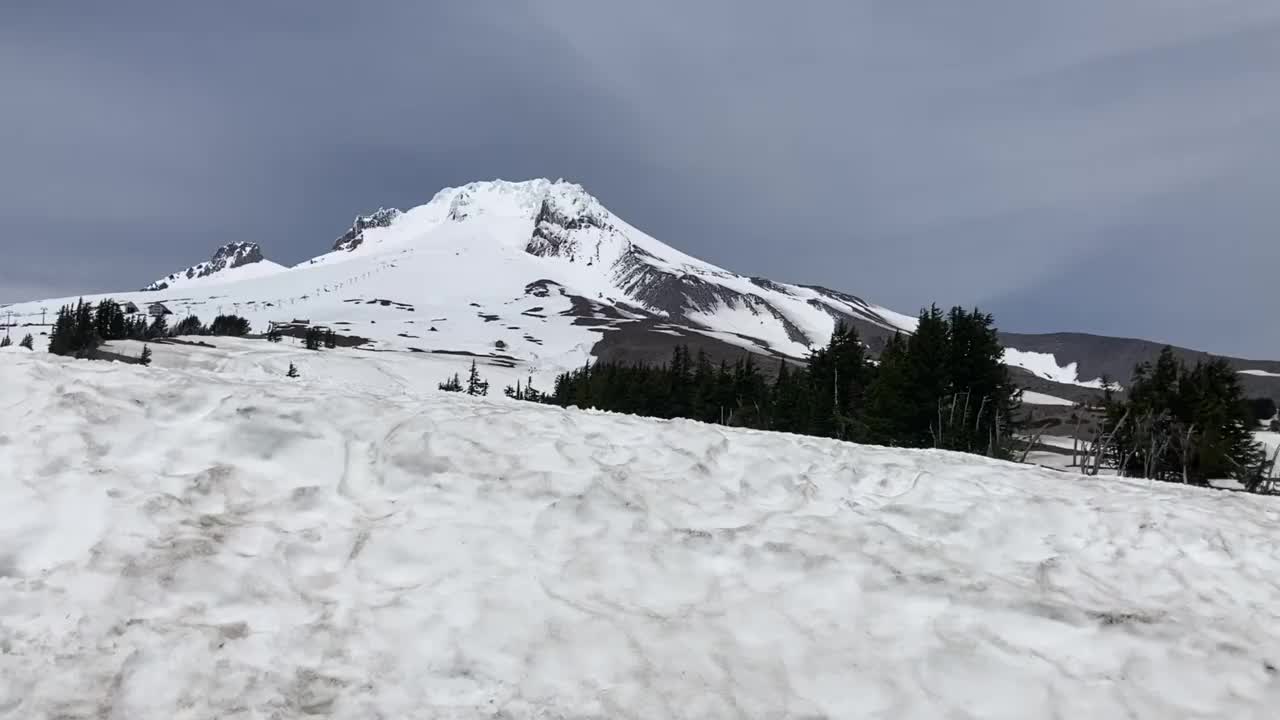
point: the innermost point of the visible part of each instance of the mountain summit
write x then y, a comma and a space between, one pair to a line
557, 234
229, 257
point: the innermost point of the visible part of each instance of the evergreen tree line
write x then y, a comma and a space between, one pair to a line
223, 325
80, 329
1188, 424
945, 386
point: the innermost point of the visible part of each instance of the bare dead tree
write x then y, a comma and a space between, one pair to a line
977, 420
1075, 443
1035, 440
1184, 451
1105, 442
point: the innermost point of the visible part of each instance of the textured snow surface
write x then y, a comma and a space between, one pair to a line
1045, 365
198, 544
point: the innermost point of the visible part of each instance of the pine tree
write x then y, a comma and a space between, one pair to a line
476, 385
74, 332
1184, 424
330, 339
531, 394
702, 404
453, 384
979, 376
5, 341
838, 375
929, 381
313, 339
135, 328
159, 328
293, 371
27, 342
786, 401
117, 327
102, 318
145, 358
232, 325
60, 338
84, 335
890, 414
189, 325
109, 320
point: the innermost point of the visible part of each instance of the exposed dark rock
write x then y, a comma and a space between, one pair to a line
543, 288
552, 232
231, 255
354, 238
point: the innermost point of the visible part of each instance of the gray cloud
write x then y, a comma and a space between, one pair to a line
1092, 165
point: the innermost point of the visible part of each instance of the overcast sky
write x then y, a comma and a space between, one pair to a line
1106, 166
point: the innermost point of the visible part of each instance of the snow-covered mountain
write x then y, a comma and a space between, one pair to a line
537, 275
233, 261
540, 276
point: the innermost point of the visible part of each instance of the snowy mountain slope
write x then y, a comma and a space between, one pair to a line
540, 275
535, 273
1082, 358
1045, 365
200, 543
231, 262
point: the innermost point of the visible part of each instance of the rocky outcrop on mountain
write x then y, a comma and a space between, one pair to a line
227, 257
354, 237
553, 234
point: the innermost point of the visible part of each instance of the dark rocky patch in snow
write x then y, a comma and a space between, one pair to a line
389, 303
552, 231
299, 331
645, 341
231, 255
543, 288
492, 358
177, 341
354, 237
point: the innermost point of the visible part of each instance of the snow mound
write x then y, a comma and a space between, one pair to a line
184, 543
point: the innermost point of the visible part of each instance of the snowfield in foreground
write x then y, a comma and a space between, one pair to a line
182, 543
